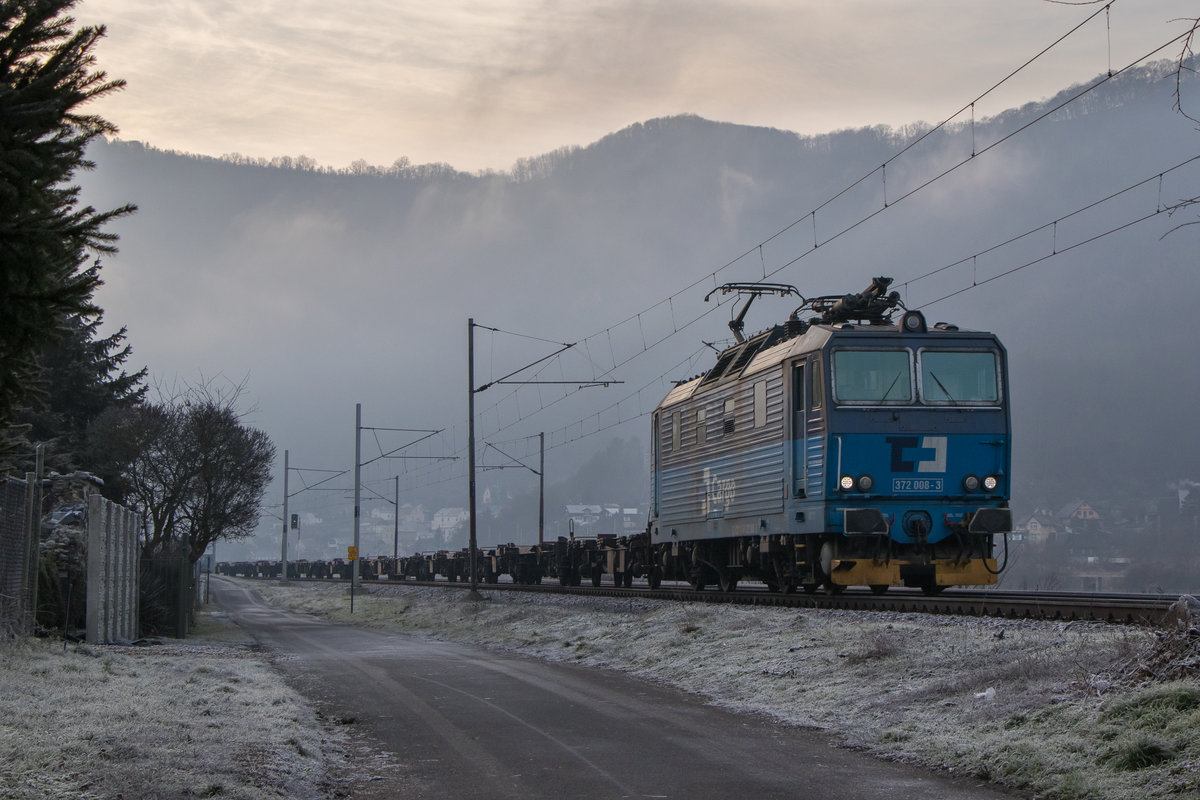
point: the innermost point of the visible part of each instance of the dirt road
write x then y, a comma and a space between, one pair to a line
473, 723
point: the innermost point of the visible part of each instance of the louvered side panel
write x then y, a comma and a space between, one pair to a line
758, 483
760, 473
816, 454
725, 466
679, 482
683, 495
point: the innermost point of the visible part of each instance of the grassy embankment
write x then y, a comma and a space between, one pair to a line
206, 717
1080, 710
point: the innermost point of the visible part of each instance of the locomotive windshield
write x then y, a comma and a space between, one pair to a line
872, 376
959, 377
946, 377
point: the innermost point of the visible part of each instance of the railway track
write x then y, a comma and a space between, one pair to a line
1132, 609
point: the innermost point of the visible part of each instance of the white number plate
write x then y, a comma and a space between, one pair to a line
901, 485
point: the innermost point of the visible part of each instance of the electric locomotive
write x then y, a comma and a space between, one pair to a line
842, 449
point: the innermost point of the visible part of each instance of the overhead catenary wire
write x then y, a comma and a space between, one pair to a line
575, 431
675, 326
669, 301
565, 434
568, 434
1057, 252
909, 146
943, 174
1053, 224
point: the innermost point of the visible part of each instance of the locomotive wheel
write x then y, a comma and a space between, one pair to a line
627, 580
930, 589
879, 588
832, 588
697, 582
654, 578
728, 583
810, 588
597, 573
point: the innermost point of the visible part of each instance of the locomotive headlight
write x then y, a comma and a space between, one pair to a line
846, 482
990, 483
970, 484
865, 483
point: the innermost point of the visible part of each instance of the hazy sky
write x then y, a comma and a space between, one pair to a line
479, 84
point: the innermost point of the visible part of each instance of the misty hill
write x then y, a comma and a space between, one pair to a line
330, 288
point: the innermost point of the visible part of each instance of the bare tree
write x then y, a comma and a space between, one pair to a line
1184, 65
232, 468
191, 464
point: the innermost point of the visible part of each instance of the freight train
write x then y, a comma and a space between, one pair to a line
844, 447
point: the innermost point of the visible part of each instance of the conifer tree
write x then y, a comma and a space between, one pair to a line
47, 72
80, 376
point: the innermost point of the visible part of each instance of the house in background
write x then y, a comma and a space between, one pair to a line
1035, 529
1078, 517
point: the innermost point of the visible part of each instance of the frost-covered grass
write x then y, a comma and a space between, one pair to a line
1059, 710
207, 717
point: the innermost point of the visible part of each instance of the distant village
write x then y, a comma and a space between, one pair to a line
1098, 545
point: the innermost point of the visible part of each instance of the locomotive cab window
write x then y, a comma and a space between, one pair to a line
959, 377
818, 385
870, 377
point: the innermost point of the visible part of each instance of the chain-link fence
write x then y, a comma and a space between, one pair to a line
16, 554
46, 564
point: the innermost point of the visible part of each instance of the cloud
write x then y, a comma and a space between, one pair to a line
480, 84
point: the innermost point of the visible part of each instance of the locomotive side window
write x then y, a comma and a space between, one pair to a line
963, 377
701, 426
799, 432
818, 385
654, 465
730, 406
760, 404
675, 432
872, 376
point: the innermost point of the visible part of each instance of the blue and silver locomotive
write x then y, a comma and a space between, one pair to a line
841, 449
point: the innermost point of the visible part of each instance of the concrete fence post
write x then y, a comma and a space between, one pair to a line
112, 572
131, 571
119, 573
123, 606
95, 568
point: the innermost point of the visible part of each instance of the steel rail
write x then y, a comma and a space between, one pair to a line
1130, 609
